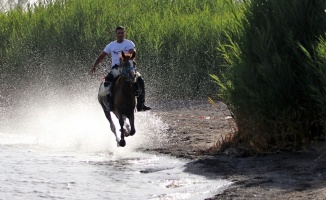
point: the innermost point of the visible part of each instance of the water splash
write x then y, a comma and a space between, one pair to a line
71, 120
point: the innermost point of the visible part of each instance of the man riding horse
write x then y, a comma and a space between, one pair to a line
115, 48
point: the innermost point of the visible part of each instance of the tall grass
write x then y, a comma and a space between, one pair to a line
176, 40
275, 75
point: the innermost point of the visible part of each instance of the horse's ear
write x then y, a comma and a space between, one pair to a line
133, 55
123, 54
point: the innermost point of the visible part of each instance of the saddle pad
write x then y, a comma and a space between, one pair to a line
103, 91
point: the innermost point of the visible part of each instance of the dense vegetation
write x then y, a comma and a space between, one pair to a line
274, 80
176, 41
267, 56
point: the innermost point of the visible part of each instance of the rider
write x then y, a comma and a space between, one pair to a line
115, 48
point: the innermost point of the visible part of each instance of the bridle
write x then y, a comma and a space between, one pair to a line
127, 64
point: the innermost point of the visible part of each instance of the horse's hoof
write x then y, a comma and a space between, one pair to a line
122, 143
132, 133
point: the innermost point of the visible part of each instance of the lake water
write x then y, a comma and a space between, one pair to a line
67, 151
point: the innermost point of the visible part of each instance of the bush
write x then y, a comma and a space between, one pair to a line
275, 75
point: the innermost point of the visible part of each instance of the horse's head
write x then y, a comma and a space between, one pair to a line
127, 59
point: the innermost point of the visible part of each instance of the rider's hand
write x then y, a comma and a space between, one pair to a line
93, 70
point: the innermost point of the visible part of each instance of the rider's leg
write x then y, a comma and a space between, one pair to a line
141, 95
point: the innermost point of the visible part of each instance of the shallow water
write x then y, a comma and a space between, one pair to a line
36, 173
68, 152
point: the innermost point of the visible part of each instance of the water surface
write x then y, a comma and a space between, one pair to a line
66, 151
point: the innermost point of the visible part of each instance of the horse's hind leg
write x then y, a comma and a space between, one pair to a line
121, 122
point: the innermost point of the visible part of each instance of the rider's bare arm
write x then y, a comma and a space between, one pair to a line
99, 60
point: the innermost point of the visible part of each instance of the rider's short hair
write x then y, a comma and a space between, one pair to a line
119, 28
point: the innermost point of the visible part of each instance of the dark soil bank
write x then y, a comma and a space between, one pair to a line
196, 126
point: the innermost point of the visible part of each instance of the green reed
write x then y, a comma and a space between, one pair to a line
274, 78
176, 40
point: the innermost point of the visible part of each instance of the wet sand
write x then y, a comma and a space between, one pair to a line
194, 127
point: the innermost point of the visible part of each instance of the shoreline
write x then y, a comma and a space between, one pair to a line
195, 126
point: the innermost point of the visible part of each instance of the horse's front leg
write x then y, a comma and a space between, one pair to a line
121, 122
126, 127
132, 124
112, 126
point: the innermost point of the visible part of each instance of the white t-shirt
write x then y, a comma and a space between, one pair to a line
114, 48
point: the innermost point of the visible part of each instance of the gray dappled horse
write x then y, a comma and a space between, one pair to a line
124, 101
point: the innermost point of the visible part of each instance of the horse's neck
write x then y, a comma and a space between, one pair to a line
123, 81
123, 89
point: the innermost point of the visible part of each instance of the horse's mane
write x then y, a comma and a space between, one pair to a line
126, 55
